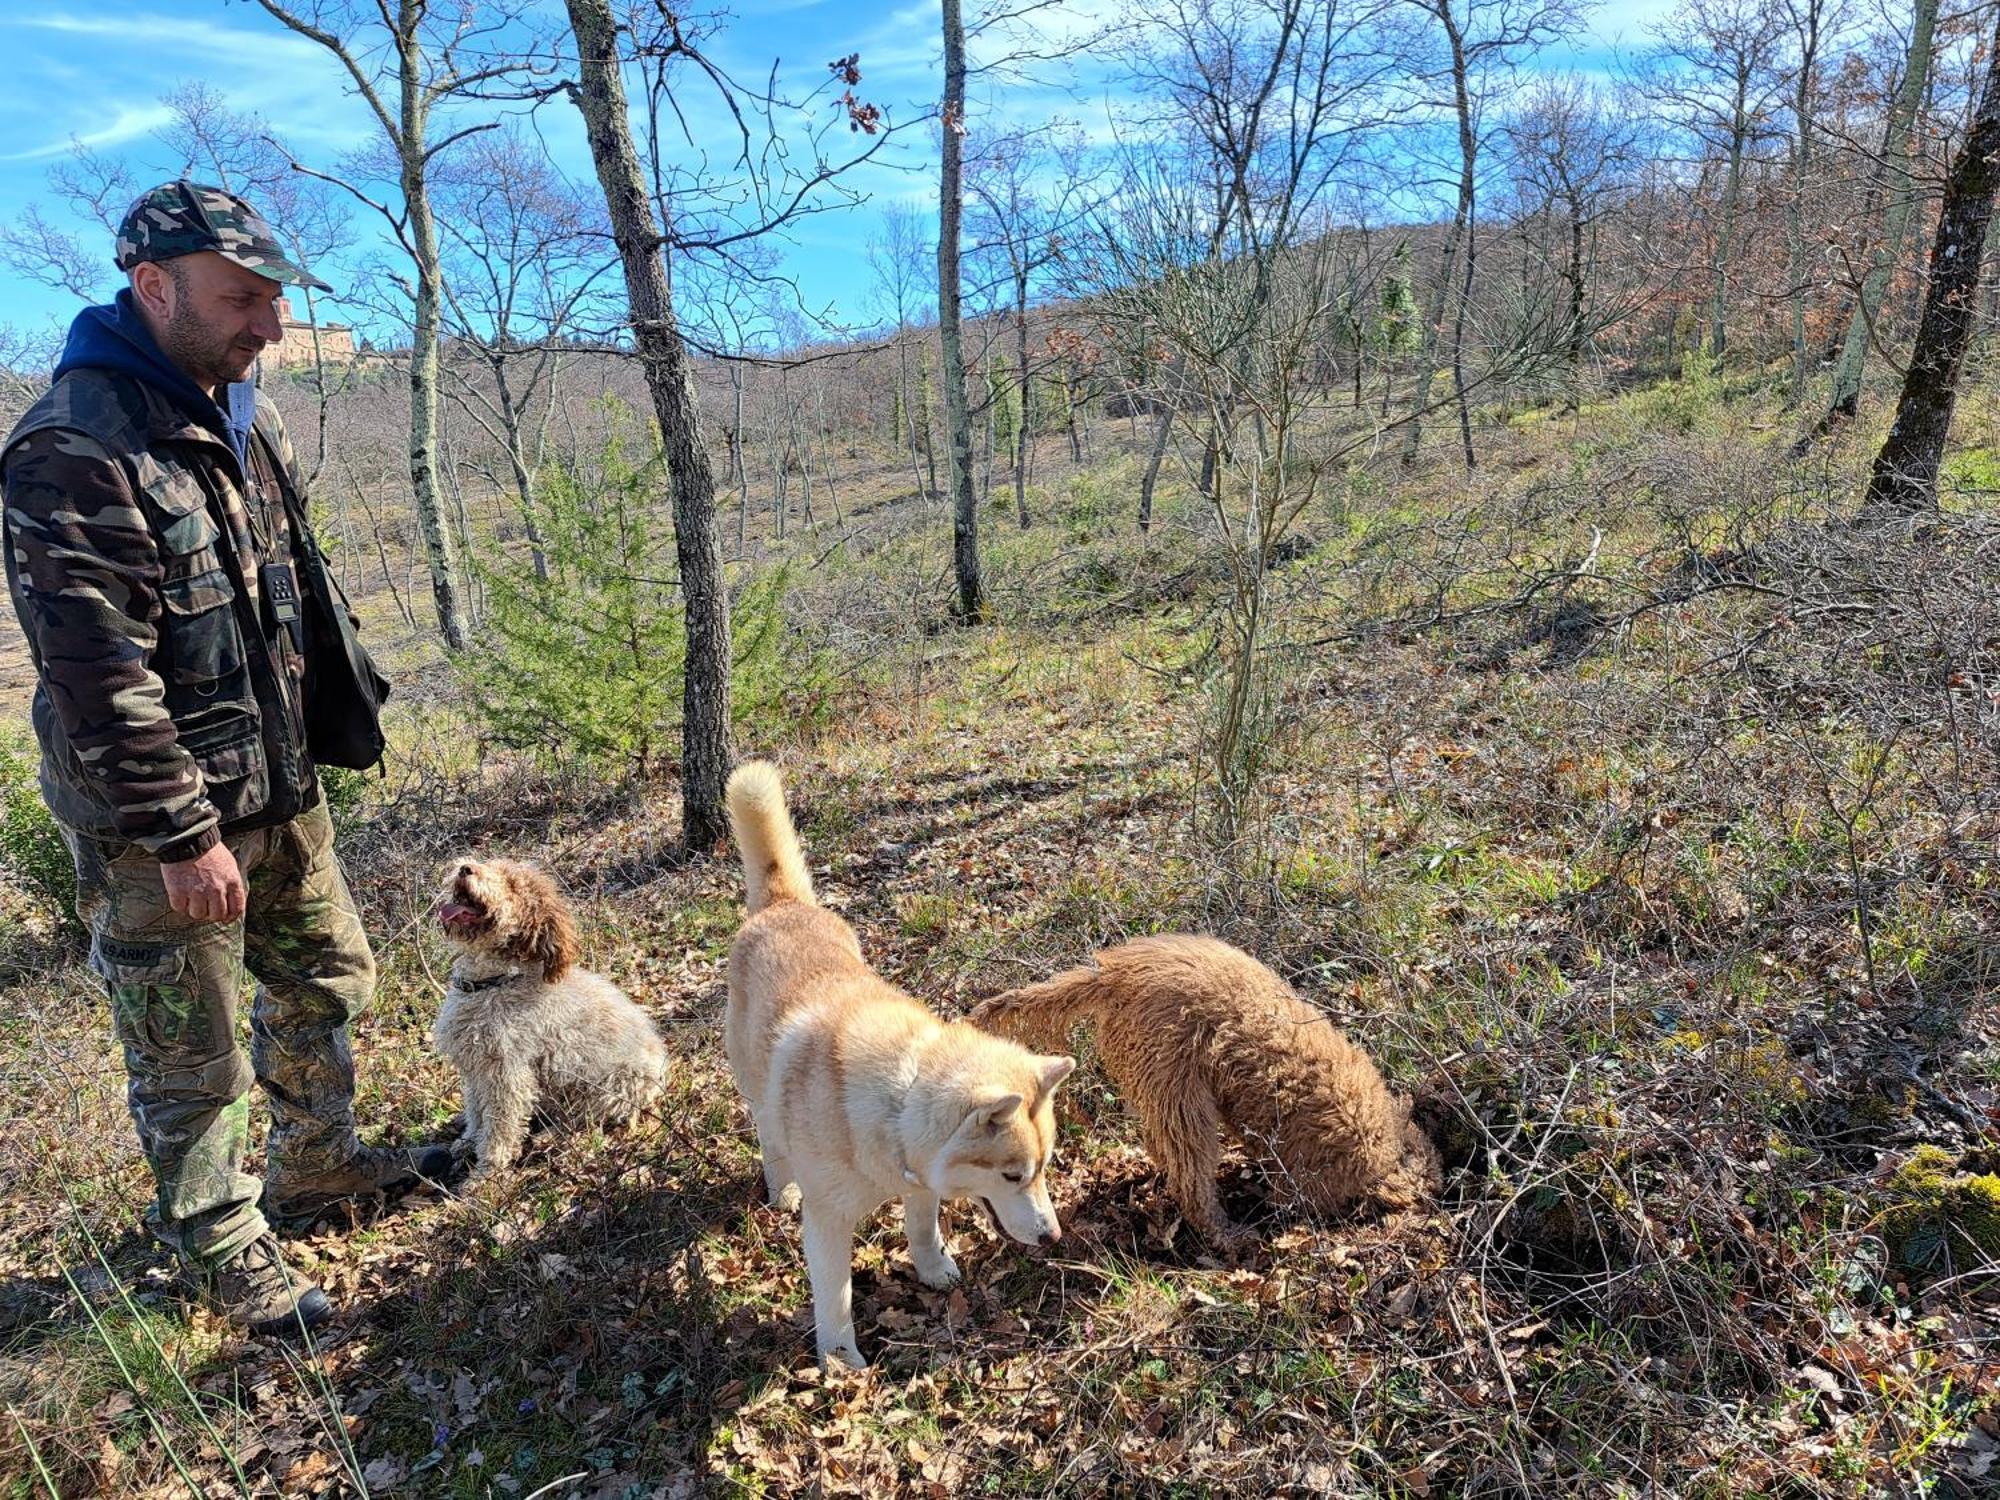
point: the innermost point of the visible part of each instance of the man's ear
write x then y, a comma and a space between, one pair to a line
153, 289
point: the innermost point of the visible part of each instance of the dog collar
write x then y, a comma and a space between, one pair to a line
474, 986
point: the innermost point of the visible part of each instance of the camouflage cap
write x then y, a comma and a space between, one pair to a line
180, 218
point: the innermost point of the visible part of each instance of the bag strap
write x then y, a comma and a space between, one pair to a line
305, 542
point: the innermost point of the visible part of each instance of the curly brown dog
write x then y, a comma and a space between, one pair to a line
527, 1030
1198, 1036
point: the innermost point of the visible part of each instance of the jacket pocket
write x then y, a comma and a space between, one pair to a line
192, 538
204, 642
223, 738
187, 532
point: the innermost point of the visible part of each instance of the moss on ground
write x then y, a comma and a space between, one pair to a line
1940, 1218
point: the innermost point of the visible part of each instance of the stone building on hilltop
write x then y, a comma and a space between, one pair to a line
336, 343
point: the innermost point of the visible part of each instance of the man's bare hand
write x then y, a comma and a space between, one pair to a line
208, 888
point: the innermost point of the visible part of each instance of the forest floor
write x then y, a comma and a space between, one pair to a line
1634, 813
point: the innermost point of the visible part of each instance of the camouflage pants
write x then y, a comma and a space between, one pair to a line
174, 986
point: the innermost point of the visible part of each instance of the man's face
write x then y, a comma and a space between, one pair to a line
211, 316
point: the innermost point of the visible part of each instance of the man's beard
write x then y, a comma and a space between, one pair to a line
210, 360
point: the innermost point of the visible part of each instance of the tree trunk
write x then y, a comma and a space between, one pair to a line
1169, 401
1906, 470
1359, 336
922, 419
1795, 265
826, 452
600, 96
796, 447
957, 419
524, 474
405, 135
909, 421
1901, 195
1458, 348
1573, 351
1447, 287
1802, 113
1739, 133
741, 473
1021, 417
439, 550
461, 520
774, 454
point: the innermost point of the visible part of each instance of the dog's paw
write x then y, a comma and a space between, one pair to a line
786, 1199
485, 1183
939, 1275
841, 1357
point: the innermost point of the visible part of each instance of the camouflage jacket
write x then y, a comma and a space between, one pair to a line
168, 705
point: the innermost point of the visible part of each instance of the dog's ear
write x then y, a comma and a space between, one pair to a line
543, 931
990, 1114
1054, 1071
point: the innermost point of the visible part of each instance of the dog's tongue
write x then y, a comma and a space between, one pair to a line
452, 911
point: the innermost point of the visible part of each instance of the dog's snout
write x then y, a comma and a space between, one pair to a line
1049, 1237
464, 872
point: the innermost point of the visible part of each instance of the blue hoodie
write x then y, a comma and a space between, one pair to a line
115, 337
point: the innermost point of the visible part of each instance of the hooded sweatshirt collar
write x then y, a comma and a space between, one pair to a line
115, 337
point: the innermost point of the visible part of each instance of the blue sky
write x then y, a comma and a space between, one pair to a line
95, 73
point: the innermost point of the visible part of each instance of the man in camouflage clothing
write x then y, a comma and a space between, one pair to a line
150, 562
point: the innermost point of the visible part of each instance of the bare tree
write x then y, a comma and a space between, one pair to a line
96, 189
25, 361
660, 207
1571, 154
406, 61
1483, 41
1814, 25
1222, 251
523, 255
905, 289
1898, 152
1031, 192
1906, 470
1272, 99
951, 338
600, 96
725, 308
1718, 63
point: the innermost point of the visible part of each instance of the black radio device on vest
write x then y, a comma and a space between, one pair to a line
280, 590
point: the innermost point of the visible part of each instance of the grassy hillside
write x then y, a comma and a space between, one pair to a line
1631, 806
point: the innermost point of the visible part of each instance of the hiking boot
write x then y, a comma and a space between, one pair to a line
255, 1290
372, 1172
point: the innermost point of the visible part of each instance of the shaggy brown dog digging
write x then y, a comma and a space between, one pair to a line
1200, 1037
526, 1029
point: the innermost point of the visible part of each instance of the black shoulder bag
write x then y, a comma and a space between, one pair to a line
344, 689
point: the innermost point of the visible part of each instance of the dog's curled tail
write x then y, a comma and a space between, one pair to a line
774, 869
1041, 1015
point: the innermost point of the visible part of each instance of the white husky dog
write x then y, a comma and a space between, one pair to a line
859, 1093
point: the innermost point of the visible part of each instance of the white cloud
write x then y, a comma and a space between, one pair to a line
128, 123
261, 68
